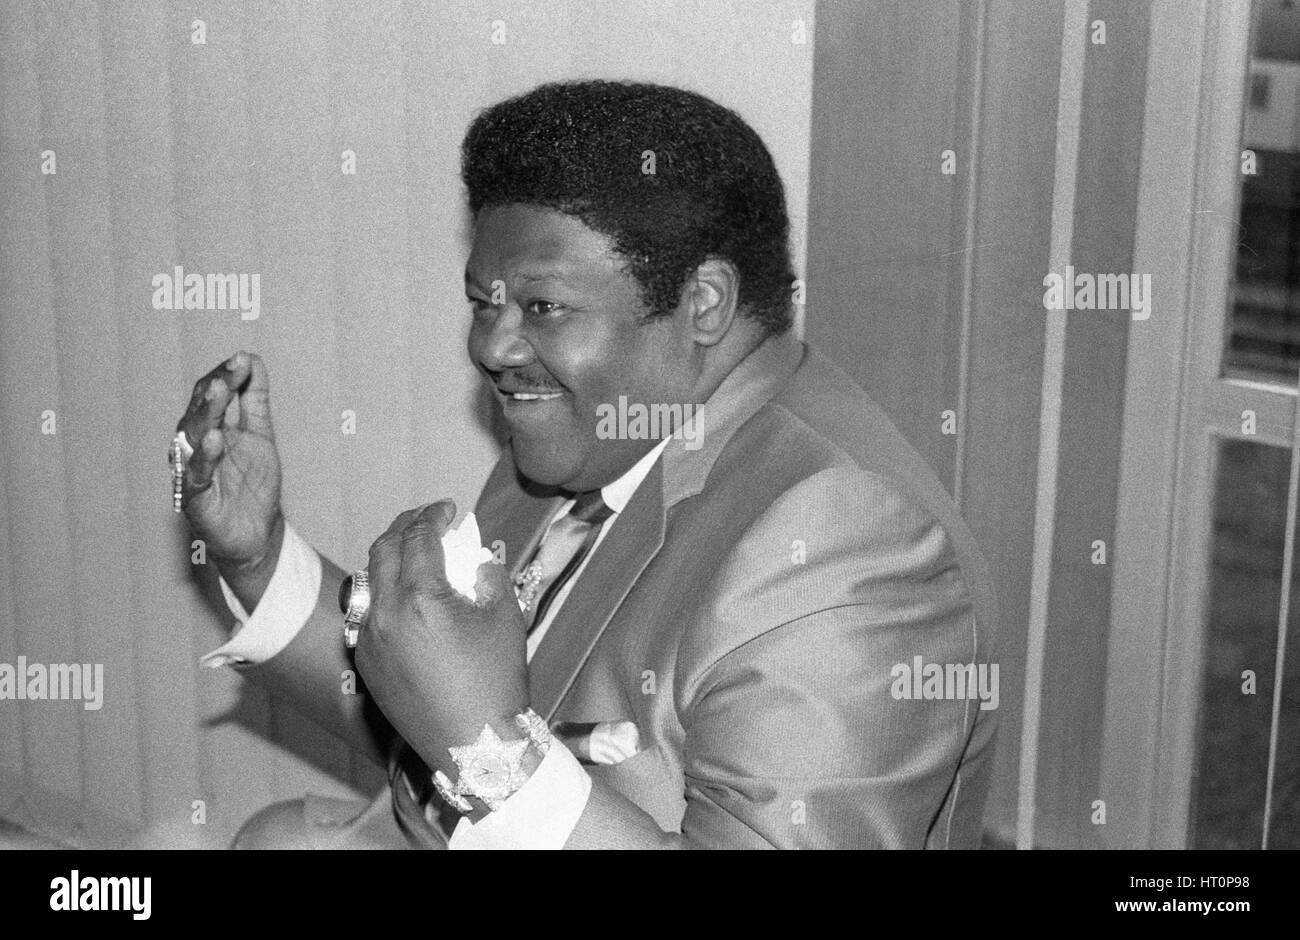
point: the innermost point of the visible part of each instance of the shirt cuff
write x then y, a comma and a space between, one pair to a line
285, 607
542, 814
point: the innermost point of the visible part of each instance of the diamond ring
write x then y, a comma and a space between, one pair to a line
178, 455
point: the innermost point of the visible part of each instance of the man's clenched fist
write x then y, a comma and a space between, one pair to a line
439, 665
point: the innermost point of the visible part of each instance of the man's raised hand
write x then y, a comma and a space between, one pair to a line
231, 494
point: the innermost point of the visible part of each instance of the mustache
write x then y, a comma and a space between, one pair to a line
523, 382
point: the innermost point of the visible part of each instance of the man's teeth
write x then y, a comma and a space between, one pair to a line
528, 396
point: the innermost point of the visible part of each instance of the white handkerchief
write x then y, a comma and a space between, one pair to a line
463, 550
613, 742
605, 742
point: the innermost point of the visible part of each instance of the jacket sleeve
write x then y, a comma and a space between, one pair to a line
316, 673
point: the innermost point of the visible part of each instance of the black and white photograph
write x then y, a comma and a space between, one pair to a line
650, 424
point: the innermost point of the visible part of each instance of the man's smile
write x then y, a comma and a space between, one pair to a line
520, 402
525, 396
523, 393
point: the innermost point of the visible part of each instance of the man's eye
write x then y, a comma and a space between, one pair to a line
544, 307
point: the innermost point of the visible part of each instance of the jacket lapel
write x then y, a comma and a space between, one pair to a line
634, 538
512, 515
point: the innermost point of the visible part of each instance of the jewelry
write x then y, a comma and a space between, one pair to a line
354, 600
526, 583
491, 769
178, 456
533, 725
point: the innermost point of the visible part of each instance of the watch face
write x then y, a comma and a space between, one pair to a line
489, 776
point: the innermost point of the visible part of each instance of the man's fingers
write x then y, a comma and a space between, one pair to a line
234, 395
423, 564
410, 549
230, 416
208, 402
203, 462
254, 393
386, 552
440, 514
238, 370
384, 564
403, 519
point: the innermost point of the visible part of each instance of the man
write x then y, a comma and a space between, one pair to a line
697, 640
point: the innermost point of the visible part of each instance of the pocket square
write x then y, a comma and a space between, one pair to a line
603, 742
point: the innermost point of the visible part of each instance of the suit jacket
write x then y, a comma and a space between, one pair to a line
746, 610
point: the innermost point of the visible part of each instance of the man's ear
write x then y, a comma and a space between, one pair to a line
711, 295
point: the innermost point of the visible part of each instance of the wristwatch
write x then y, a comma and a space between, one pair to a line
491, 770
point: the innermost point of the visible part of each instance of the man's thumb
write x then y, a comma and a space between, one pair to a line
254, 393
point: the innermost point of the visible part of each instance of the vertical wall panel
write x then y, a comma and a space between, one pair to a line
69, 64
35, 464
12, 760
1110, 137
294, 145
887, 236
136, 53
213, 149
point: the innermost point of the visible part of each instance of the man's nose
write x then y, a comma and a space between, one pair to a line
503, 345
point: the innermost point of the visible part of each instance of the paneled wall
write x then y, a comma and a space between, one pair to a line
226, 156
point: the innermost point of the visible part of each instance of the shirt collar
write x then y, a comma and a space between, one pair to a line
753, 381
618, 493
744, 390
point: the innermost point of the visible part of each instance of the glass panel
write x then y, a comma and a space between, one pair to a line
1284, 829
1264, 322
1241, 645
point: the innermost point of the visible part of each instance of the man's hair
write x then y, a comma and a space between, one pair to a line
581, 148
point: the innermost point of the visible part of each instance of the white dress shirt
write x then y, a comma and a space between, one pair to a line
543, 813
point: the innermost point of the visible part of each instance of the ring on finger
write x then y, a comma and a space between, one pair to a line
354, 601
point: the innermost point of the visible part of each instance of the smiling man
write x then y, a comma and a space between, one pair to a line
577, 335
687, 646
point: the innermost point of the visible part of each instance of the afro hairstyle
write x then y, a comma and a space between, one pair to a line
670, 177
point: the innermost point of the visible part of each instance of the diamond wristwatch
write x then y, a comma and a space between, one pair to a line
491, 769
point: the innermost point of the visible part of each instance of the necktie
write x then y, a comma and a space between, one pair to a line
563, 549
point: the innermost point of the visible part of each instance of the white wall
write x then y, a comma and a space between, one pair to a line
225, 157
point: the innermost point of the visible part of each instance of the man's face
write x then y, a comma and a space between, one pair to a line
558, 330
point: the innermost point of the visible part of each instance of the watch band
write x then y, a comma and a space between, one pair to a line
491, 770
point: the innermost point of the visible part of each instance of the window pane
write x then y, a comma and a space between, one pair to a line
1284, 828
1241, 645
1264, 323
1265, 335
